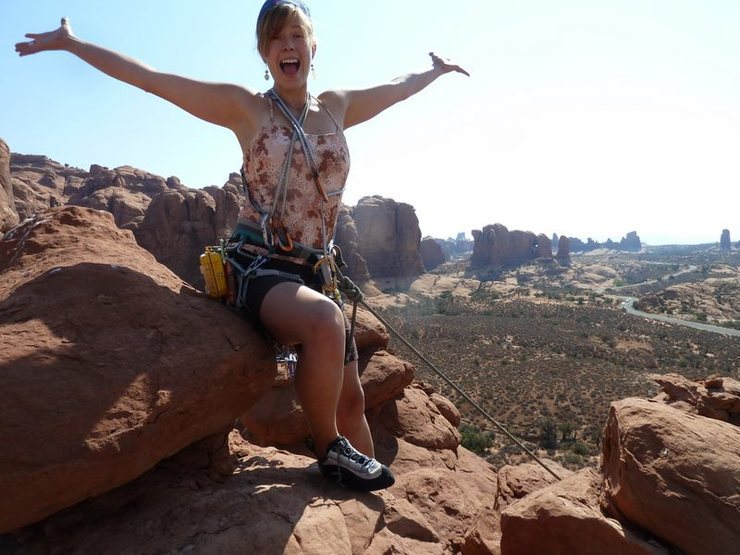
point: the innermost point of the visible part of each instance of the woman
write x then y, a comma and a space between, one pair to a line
295, 166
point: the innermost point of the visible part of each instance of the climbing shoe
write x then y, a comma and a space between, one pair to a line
354, 470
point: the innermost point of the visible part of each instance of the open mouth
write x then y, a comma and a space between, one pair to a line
290, 66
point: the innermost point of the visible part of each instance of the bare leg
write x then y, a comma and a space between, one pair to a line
293, 314
351, 412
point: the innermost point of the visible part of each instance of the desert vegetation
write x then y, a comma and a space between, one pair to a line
545, 354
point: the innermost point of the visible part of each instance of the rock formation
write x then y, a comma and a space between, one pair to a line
725, 244
563, 255
631, 242
432, 254
496, 246
8, 213
668, 482
672, 474
179, 224
183, 221
348, 240
389, 238
121, 386
110, 363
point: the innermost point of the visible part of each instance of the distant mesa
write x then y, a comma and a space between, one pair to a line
630, 243
496, 246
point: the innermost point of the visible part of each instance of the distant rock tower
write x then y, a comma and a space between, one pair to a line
563, 255
724, 241
631, 242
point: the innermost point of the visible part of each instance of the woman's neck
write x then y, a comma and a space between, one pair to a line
295, 99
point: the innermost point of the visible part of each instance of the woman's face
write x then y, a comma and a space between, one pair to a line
289, 54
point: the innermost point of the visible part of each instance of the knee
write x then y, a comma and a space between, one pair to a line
326, 323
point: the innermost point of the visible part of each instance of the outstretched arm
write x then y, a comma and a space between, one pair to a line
222, 104
362, 105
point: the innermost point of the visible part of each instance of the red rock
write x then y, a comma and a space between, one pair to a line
277, 417
564, 518
389, 238
8, 214
432, 254
110, 363
516, 482
674, 474
496, 246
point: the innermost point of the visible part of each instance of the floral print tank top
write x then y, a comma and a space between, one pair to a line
300, 208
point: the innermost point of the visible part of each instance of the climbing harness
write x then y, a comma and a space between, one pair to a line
229, 269
275, 238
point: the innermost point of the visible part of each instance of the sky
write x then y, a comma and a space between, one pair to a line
589, 118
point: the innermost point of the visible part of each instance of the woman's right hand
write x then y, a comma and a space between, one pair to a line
53, 40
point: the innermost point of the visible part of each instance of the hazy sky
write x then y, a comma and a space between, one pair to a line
589, 118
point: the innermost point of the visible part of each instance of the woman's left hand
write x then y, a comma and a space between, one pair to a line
445, 66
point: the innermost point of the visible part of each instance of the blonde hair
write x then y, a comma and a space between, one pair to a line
275, 19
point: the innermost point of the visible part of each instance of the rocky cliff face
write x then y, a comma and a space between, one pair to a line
349, 241
496, 246
389, 238
8, 213
175, 223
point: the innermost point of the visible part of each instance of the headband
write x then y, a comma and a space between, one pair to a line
269, 5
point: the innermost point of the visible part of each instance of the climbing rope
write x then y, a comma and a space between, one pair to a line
355, 295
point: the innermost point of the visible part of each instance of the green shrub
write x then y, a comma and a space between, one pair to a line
475, 439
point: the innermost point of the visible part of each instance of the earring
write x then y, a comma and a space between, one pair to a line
313, 72
267, 75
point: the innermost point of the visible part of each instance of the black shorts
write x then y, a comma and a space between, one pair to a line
258, 287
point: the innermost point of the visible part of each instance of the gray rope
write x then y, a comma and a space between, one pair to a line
456, 387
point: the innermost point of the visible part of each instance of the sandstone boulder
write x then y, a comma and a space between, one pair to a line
278, 419
673, 474
717, 397
564, 518
110, 363
432, 254
516, 482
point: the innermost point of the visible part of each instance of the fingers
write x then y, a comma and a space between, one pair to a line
446, 65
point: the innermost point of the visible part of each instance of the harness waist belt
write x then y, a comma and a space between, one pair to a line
252, 236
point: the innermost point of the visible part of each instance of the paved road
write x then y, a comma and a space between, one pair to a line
629, 302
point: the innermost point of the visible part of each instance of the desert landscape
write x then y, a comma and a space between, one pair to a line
544, 350
159, 422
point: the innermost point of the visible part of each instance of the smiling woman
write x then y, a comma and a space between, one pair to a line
295, 166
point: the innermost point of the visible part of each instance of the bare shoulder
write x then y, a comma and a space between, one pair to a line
336, 102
